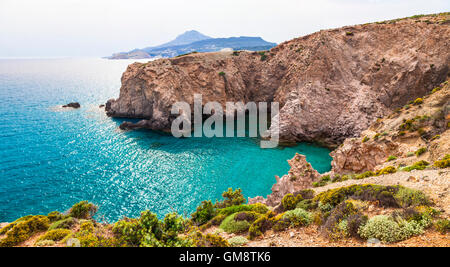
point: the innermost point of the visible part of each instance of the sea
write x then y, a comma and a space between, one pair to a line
52, 158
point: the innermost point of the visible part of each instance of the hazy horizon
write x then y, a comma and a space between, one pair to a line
75, 28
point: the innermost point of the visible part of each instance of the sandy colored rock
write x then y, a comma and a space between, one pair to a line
331, 85
301, 176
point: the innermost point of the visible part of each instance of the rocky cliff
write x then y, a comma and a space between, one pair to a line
331, 85
420, 129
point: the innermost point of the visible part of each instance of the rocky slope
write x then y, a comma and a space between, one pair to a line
421, 125
331, 84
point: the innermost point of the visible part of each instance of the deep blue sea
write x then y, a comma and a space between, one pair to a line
51, 158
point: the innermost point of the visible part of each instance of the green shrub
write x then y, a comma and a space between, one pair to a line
365, 139
384, 195
45, 243
87, 226
420, 151
204, 213
63, 224
222, 73
420, 165
410, 154
23, 229
55, 235
418, 101
55, 216
83, 210
388, 230
231, 198
386, 170
407, 197
391, 158
297, 217
257, 207
444, 163
354, 223
237, 241
289, 201
442, 226
260, 226
306, 204
231, 225
367, 174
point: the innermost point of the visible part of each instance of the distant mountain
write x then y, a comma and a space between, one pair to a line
194, 41
188, 37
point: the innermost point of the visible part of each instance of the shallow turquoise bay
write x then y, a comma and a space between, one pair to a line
52, 158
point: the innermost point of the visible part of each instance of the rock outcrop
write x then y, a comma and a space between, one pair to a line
301, 176
72, 105
422, 124
331, 85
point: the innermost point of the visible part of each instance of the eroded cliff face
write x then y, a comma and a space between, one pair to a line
421, 125
331, 85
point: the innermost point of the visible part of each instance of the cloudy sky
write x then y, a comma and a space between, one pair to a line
55, 28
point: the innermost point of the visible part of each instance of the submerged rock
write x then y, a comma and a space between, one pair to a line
72, 105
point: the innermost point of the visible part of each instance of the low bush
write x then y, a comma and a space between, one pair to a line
406, 197
204, 213
237, 241
367, 174
391, 158
297, 217
420, 165
23, 229
388, 230
66, 223
386, 170
442, 226
231, 198
289, 201
444, 163
420, 151
239, 222
55, 235
83, 210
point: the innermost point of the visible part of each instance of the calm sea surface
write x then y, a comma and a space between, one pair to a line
52, 158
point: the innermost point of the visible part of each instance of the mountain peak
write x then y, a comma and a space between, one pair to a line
186, 38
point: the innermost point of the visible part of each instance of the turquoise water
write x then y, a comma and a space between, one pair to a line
52, 158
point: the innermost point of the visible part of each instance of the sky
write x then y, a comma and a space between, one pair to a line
92, 28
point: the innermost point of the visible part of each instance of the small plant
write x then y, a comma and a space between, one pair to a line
386, 170
420, 151
235, 224
349, 33
365, 139
418, 101
444, 163
237, 241
231, 198
442, 226
55, 235
263, 55
289, 201
391, 158
367, 174
204, 213
297, 217
83, 210
410, 154
222, 74
420, 165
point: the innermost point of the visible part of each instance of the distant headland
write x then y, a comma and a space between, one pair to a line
194, 41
